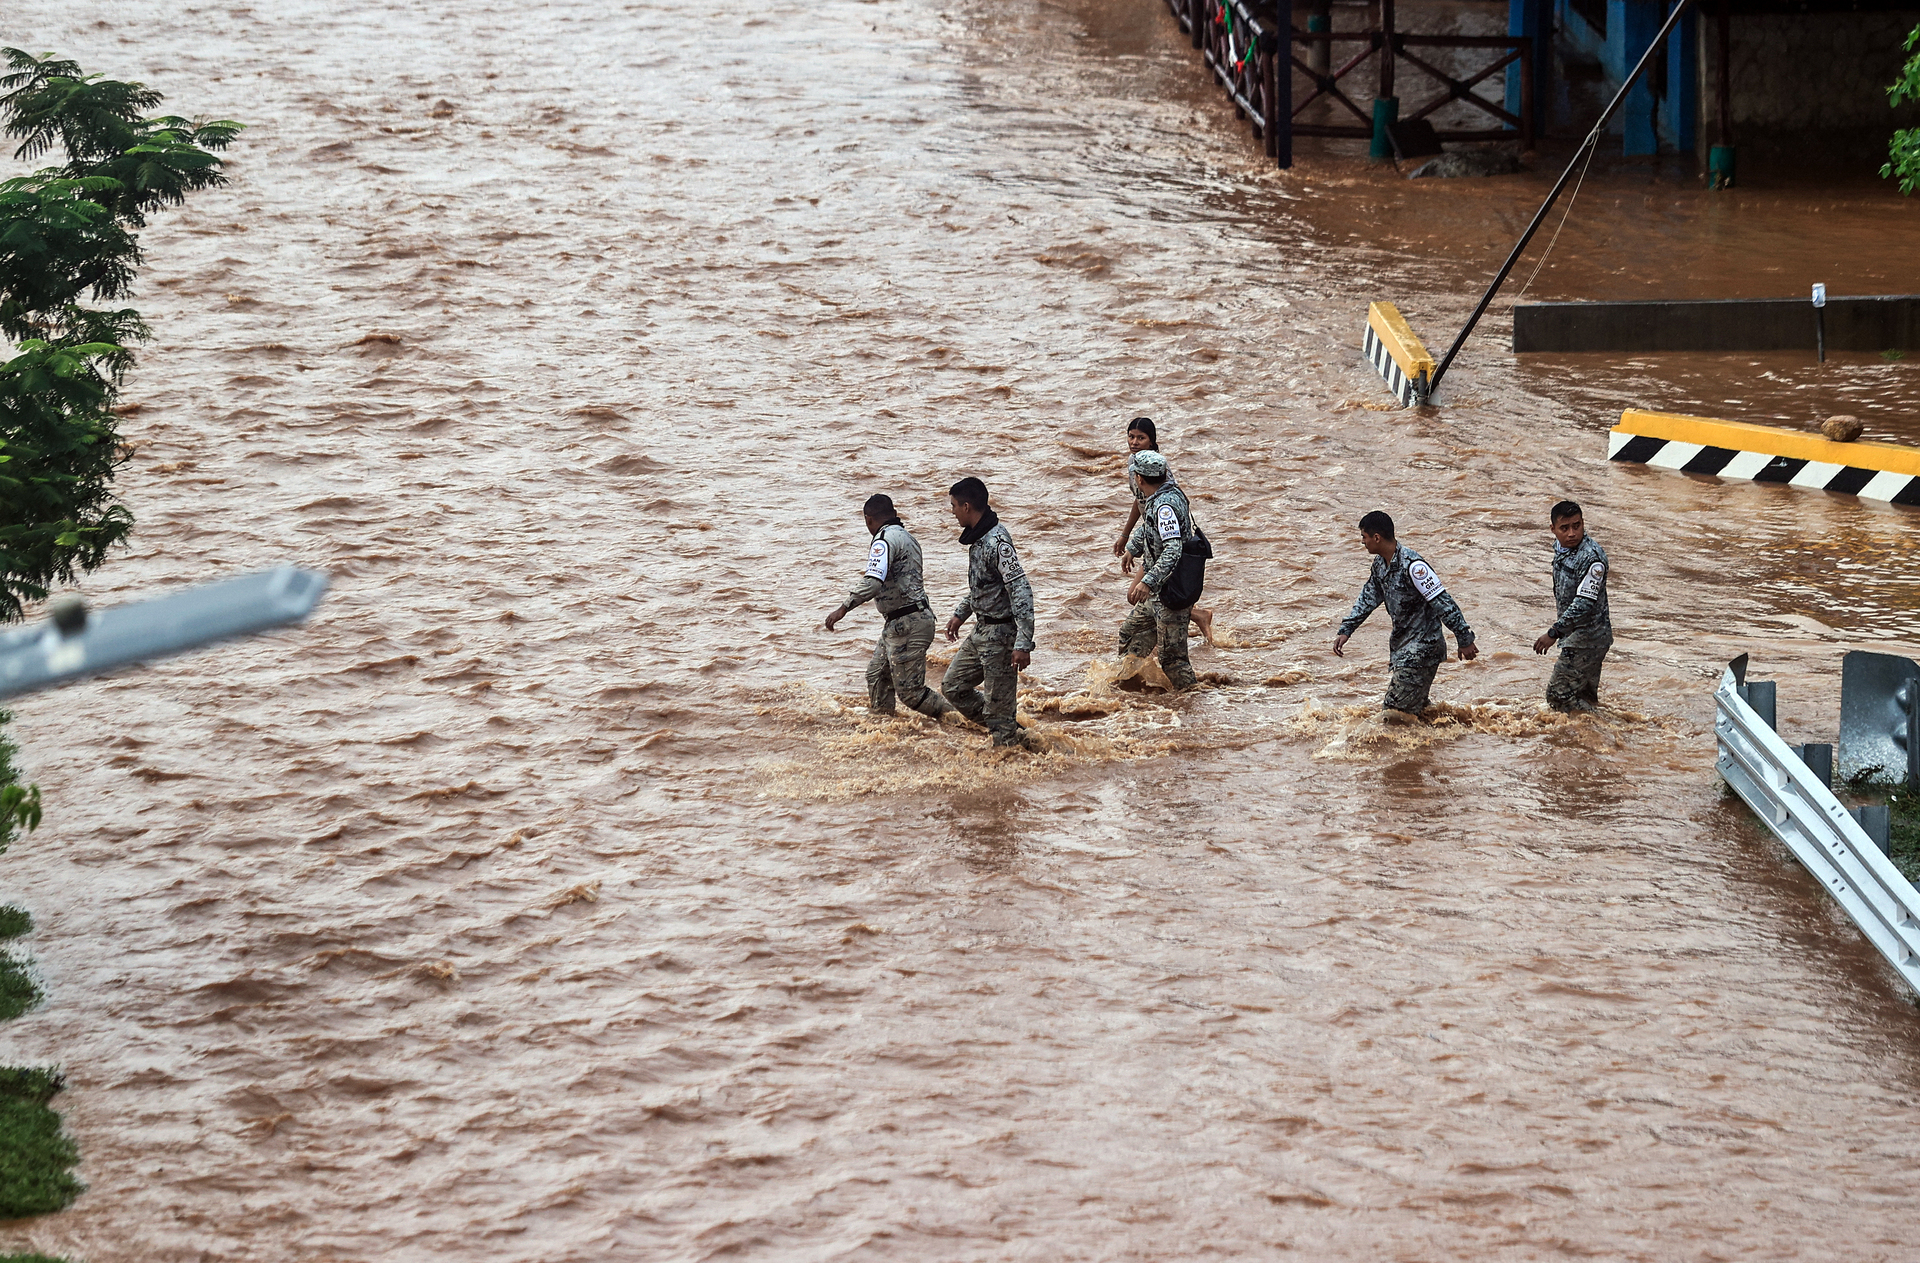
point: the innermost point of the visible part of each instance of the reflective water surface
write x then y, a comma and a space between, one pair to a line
552, 897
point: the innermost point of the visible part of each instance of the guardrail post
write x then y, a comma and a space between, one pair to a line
1876, 821
1818, 756
1761, 694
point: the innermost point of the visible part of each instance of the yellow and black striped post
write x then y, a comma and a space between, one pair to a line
1397, 355
1766, 453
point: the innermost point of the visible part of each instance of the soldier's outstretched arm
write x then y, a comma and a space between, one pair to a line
1456, 622
1366, 603
879, 564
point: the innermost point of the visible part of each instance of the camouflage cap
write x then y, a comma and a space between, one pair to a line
1148, 464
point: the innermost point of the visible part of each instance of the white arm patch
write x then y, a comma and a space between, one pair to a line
878, 561
1009, 564
1425, 582
1595, 582
1169, 522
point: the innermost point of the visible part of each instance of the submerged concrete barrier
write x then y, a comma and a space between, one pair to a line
1399, 356
1766, 453
1881, 322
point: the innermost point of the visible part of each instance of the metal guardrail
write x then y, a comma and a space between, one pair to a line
75, 643
1802, 812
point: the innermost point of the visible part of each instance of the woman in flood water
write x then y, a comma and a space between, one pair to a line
1142, 437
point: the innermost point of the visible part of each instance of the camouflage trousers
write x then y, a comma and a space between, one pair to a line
1150, 624
1414, 665
1575, 683
899, 667
986, 657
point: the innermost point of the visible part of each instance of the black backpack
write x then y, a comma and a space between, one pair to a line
1189, 578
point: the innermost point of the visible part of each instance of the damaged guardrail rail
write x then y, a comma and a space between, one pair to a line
1797, 804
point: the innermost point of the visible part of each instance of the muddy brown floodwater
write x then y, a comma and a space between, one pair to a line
551, 897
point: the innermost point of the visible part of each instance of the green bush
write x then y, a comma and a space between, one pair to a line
17, 991
1904, 150
19, 804
36, 1158
15, 922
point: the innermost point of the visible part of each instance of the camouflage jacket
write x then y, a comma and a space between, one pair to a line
1580, 596
1166, 523
997, 586
892, 577
1416, 601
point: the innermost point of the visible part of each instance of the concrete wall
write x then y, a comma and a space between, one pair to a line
1809, 84
1808, 77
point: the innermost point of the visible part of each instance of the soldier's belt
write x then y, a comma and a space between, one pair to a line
911, 609
997, 622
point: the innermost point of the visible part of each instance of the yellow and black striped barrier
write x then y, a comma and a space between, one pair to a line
1766, 453
1397, 355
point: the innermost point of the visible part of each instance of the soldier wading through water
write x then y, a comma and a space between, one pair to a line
1164, 537
1000, 602
892, 582
1417, 603
1584, 628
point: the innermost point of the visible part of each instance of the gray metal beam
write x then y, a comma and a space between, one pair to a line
74, 644
1822, 834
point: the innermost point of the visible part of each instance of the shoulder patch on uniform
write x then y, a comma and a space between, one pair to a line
1009, 563
878, 562
1425, 582
1595, 581
1169, 522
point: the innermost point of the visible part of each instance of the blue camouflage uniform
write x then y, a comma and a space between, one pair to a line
1418, 604
1584, 627
1000, 601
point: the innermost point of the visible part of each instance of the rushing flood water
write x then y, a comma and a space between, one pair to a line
551, 896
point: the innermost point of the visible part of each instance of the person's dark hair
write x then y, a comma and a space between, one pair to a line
1377, 523
880, 507
970, 491
1564, 509
1145, 426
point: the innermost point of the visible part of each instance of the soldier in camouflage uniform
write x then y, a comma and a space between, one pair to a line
892, 582
1418, 604
1584, 628
1166, 523
1000, 602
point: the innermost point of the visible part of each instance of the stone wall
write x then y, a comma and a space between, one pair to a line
1805, 77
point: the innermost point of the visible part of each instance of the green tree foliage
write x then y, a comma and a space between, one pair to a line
17, 990
1904, 150
67, 240
36, 1157
19, 810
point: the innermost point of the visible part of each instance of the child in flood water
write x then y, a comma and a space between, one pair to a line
1142, 437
